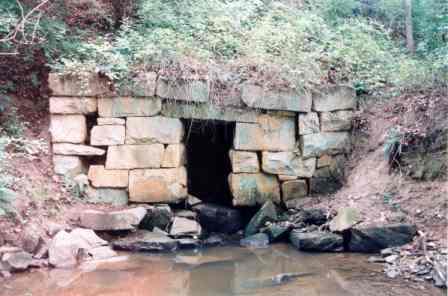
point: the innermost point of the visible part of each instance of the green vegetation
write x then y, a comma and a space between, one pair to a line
277, 43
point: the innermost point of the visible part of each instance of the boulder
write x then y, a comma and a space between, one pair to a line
332, 98
100, 177
68, 128
183, 90
69, 166
106, 135
277, 231
86, 84
17, 261
267, 213
65, 105
244, 161
288, 163
174, 156
253, 189
110, 121
336, 121
185, 227
118, 197
310, 217
217, 218
134, 156
158, 185
294, 189
376, 238
110, 221
158, 216
325, 143
269, 133
309, 123
65, 247
316, 241
290, 100
259, 240
147, 130
127, 106
76, 149
32, 238
145, 241
345, 219
102, 252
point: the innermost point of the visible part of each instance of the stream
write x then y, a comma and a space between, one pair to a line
277, 270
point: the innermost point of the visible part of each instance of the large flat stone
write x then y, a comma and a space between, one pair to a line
128, 106
145, 241
106, 135
294, 189
336, 121
89, 84
288, 163
117, 197
254, 189
334, 98
76, 149
100, 177
141, 130
158, 185
69, 166
66, 105
269, 133
291, 100
174, 156
308, 123
325, 143
68, 128
185, 227
208, 112
127, 219
244, 161
134, 156
181, 90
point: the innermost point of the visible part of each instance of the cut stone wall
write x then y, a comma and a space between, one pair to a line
287, 143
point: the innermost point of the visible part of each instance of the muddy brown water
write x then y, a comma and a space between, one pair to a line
217, 271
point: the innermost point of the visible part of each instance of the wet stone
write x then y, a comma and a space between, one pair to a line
316, 241
259, 240
217, 218
267, 213
145, 241
158, 216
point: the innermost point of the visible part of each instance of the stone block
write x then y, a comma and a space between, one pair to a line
286, 178
127, 219
128, 106
183, 90
244, 162
68, 128
254, 189
336, 121
288, 163
294, 189
269, 133
69, 166
144, 85
105, 135
88, 84
208, 112
325, 143
134, 156
110, 121
334, 98
174, 156
158, 185
100, 177
117, 197
76, 149
308, 123
142, 130
332, 161
289, 100
67, 105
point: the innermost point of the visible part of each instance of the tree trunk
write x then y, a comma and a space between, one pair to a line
409, 26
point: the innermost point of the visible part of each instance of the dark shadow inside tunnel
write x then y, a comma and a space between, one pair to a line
208, 164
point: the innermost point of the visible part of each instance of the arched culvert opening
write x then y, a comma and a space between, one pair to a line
208, 143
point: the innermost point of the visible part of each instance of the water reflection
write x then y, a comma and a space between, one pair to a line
216, 271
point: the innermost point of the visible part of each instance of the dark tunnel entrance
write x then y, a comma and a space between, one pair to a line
208, 163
